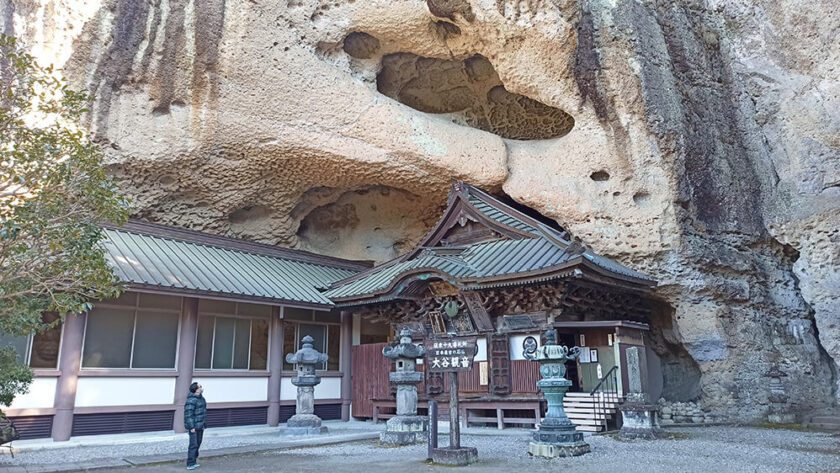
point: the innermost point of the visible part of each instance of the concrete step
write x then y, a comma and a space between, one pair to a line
587, 415
589, 428
587, 421
586, 405
585, 409
590, 395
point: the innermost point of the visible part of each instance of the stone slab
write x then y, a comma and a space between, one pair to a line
551, 450
455, 456
306, 430
394, 439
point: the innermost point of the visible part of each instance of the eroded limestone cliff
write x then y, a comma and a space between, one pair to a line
696, 140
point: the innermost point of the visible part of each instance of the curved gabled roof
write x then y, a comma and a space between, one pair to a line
520, 250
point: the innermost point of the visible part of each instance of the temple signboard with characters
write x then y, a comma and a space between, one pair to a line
450, 355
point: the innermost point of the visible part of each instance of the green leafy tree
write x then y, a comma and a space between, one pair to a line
54, 194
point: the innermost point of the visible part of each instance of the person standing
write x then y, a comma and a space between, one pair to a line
195, 416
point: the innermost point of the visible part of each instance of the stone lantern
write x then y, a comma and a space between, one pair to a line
556, 435
406, 427
305, 422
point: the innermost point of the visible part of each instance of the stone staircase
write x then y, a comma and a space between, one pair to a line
582, 410
824, 422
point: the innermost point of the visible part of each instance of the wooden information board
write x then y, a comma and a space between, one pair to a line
450, 354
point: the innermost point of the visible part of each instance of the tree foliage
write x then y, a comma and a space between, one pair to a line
14, 377
54, 195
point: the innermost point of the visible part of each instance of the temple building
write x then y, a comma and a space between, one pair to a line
225, 312
198, 307
489, 270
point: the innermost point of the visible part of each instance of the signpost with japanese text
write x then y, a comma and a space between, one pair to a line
452, 355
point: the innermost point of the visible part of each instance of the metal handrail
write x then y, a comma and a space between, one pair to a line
606, 390
598, 386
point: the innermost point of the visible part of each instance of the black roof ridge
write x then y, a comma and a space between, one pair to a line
235, 244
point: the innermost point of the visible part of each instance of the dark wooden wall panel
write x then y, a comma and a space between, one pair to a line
370, 377
121, 422
33, 427
328, 411
237, 416
525, 375
470, 381
286, 412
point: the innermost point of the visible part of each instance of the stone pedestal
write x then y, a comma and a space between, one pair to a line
640, 418
405, 428
556, 435
461, 456
305, 422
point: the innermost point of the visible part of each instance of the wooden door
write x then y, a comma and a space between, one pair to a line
370, 377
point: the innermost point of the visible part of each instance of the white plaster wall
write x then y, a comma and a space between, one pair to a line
41, 395
516, 345
330, 388
234, 389
482, 350
96, 391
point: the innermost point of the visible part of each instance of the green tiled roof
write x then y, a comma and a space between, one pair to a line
209, 265
486, 263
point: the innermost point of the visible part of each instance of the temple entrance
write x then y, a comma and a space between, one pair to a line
572, 371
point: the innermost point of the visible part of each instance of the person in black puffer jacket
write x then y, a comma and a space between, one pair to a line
195, 416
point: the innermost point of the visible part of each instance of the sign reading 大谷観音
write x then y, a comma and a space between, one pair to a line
450, 354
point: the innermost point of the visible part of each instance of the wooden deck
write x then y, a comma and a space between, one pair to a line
385, 409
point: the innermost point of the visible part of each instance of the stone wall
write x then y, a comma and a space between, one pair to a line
696, 140
671, 413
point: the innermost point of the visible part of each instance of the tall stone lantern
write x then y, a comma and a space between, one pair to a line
406, 427
556, 435
305, 422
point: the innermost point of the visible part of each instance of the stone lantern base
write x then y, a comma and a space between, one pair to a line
305, 424
640, 419
554, 443
404, 430
462, 456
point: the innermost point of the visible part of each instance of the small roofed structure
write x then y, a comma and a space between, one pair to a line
491, 270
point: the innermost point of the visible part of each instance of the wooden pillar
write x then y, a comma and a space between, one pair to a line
346, 364
454, 423
275, 365
70, 362
186, 359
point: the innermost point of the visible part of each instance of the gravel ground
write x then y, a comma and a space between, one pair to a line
700, 449
58, 456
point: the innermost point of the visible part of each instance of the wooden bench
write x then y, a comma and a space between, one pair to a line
466, 406
499, 406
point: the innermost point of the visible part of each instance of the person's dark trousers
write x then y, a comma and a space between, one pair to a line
195, 444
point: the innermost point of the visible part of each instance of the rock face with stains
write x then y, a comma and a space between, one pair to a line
698, 141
